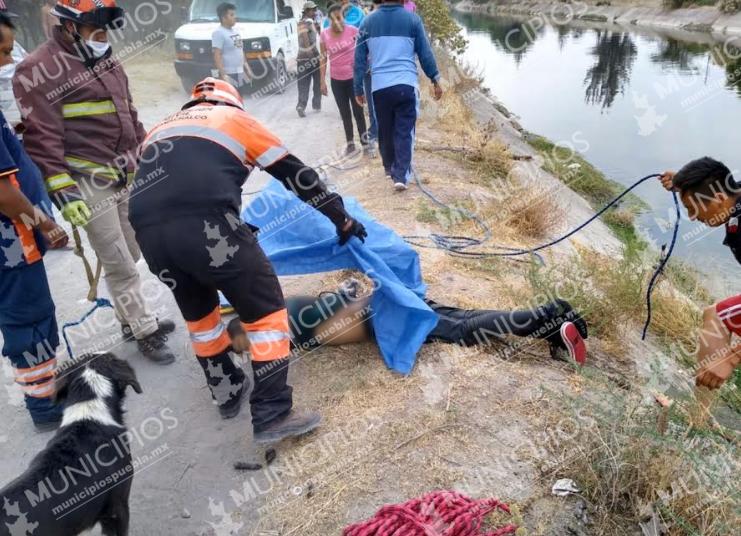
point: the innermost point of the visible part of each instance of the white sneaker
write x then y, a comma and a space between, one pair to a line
400, 186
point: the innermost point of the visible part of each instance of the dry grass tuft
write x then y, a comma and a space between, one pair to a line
612, 294
535, 217
629, 473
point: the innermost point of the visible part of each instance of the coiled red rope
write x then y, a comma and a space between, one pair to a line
440, 513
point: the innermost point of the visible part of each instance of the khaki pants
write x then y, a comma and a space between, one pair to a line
112, 238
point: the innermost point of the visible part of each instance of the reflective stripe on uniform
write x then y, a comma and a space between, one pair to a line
58, 182
92, 168
271, 156
208, 335
25, 234
266, 336
199, 131
41, 390
269, 337
85, 109
39, 372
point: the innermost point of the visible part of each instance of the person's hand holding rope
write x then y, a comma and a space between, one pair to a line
667, 181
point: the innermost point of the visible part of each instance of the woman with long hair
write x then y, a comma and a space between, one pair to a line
338, 47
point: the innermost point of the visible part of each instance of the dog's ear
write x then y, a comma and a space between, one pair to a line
124, 375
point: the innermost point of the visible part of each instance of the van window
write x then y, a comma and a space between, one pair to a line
247, 10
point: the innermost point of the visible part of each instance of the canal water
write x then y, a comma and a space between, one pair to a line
643, 102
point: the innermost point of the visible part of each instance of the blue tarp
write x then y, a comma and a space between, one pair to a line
299, 240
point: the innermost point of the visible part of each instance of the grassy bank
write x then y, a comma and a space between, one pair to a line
590, 183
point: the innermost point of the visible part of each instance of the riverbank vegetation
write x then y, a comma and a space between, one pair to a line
637, 463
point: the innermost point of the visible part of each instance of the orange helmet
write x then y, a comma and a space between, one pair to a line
98, 13
215, 91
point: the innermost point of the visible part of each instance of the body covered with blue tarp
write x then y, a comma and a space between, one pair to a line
300, 240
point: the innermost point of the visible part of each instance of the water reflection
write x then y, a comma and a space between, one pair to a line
654, 100
614, 52
610, 75
731, 58
673, 54
512, 36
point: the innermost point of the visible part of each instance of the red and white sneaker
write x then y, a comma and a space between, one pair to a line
572, 342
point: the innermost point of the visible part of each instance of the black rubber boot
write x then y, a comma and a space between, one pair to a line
294, 424
226, 382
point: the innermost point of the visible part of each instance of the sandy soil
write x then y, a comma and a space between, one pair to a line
463, 419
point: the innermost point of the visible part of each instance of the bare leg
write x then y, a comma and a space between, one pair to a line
348, 325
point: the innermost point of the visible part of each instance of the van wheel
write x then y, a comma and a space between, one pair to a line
280, 77
188, 84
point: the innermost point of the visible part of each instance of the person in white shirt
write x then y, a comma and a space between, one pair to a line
226, 42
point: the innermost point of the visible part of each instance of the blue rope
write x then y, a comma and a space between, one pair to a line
456, 245
99, 302
662, 265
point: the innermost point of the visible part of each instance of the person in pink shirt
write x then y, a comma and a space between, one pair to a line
338, 46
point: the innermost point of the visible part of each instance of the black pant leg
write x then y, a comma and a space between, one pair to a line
303, 83
482, 327
248, 281
173, 252
384, 105
357, 112
343, 105
316, 78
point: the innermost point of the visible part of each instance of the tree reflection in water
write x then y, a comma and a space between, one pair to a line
673, 54
615, 53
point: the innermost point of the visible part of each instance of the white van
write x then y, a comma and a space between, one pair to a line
269, 36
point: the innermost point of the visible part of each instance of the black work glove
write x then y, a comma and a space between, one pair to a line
355, 229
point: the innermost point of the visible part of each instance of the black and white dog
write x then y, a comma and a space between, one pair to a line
84, 475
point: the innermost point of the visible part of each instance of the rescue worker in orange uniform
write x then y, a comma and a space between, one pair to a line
83, 132
185, 211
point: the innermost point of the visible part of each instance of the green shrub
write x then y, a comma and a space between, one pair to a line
729, 6
443, 29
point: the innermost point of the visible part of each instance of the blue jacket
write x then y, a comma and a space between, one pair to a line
393, 37
353, 16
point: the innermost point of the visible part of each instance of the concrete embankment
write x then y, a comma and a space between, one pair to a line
699, 19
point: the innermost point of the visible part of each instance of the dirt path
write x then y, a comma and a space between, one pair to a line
190, 461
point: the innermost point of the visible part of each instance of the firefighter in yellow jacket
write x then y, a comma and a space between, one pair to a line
83, 131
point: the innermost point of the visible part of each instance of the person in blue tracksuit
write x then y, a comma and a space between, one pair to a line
27, 321
394, 38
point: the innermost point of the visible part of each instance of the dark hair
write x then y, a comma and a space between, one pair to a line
333, 8
222, 10
706, 176
5, 21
